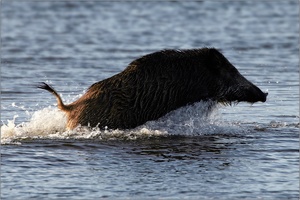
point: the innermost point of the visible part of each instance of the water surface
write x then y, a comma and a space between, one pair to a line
244, 151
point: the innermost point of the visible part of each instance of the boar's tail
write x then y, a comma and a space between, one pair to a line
47, 87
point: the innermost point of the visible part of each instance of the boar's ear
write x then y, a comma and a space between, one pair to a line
222, 63
217, 63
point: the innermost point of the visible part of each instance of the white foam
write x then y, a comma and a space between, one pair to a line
42, 123
50, 123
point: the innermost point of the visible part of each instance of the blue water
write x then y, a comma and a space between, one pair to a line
241, 151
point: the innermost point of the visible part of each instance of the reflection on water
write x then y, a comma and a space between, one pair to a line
179, 148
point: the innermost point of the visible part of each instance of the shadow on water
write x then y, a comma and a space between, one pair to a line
156, 148
179, 147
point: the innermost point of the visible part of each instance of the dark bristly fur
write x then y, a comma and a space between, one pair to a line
157, 83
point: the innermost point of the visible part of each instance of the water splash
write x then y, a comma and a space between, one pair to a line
50, 123
42, 123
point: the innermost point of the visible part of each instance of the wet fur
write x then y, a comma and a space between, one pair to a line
156, 84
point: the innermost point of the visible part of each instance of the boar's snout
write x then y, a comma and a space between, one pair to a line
255, 95
244, 91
